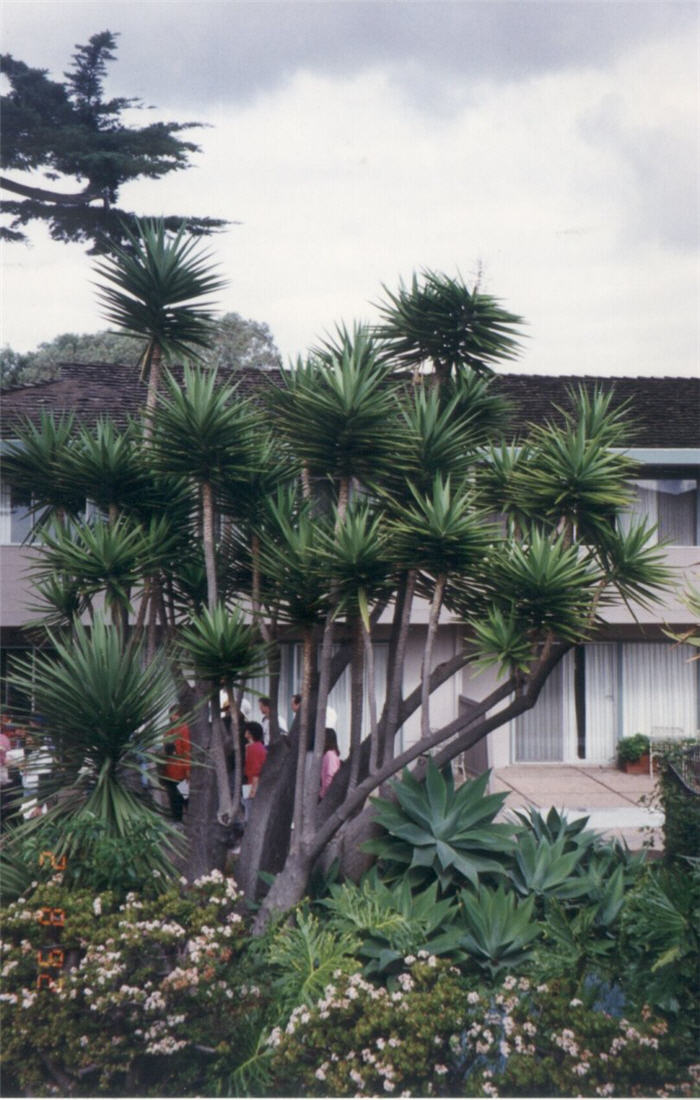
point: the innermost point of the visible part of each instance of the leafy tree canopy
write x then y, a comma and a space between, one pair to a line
236, 342
70, 132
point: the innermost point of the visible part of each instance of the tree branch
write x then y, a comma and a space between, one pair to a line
39, 194
463, 724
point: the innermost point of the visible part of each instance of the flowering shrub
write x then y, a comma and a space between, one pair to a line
148, 999
362, 1040
434, 1036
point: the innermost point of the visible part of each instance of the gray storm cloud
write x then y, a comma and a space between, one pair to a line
197, 52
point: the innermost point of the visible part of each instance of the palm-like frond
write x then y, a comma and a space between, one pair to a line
221, 646
634, 565
109, 558
547, 585
440, 531
101, 706
108, 466
438, 321
335, 413
356, 555
202, 429
292, 579
36, 464
154, 285
573, 477
576, 471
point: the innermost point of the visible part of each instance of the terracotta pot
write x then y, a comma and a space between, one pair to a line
636, 767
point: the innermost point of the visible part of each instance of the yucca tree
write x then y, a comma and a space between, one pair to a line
159, 287
335, 411
203, 432
103, 558
437, 322
439, 533
358, 561
108, 466
36, 464
222, 648
101, 708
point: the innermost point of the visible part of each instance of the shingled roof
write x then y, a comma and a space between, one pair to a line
666, 411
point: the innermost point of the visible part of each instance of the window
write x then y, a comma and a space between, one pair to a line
671, 504
16, 519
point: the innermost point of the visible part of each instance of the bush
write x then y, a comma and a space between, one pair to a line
151, 999
435, 1036
630, 749
681, 804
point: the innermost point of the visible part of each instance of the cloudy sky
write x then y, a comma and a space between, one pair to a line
550, 146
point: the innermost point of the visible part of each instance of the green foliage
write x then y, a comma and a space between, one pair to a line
157, 287
440, 531
222, 646
546, 584
556, 824
70, 130
545, 868
35, 464
334, 410
100, 735
391, 922
103, 557
582, 941
356, 557
500, 929
203, 429
576, 473
661, 939
100, 859
359, 1036
303, 957
437, 832
437, 320
678, 793
436, 1035
630, 749
152, 999
236, 344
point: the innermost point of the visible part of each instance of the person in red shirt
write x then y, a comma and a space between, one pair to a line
255, 755
178, 750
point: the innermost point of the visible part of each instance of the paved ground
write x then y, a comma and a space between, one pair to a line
608, 797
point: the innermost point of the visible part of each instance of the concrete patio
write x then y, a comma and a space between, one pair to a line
608, 797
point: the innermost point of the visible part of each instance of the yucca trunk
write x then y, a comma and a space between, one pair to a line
397, 652
207, 496
312, 773
304, 717
154, 377
357, 675
435, 605
372, 699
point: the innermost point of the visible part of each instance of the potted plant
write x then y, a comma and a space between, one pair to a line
633, 754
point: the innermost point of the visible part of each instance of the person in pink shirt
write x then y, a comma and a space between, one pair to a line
331, 760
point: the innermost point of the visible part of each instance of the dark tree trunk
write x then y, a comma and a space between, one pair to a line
265, 843
200, 818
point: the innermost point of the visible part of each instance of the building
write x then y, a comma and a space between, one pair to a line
631, 679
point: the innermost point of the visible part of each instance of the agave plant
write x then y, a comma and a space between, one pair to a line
547, 868
436, 832
498, 929
557, 824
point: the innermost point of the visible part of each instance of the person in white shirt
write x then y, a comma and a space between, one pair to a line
264, 704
